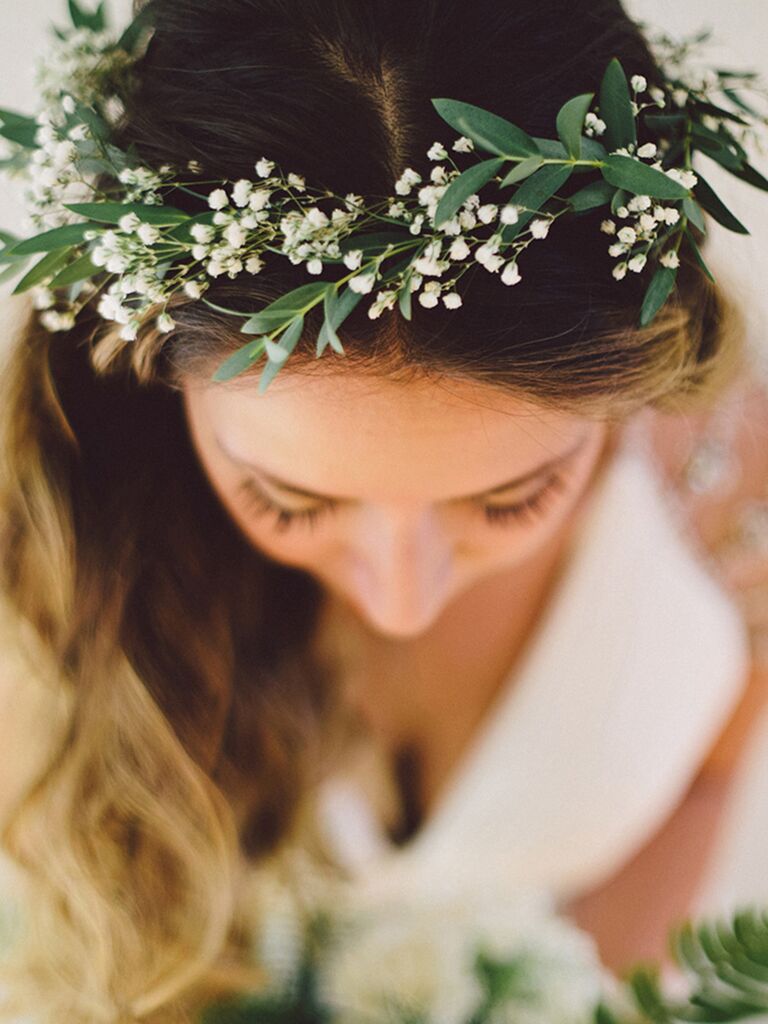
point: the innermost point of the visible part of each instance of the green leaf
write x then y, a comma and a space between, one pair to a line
284, 308
616, 107
598, 193
48, 265
286, 345
85, 19
694, 213
534, 192
620, 198
405, 297
752, 177
19, 128
634, 176
697, 254
13, 269
374, 241
110, 213
658, 291
468, 182
224, 309
240, 360
56, 238
570, 122
77, 271
490, 132
715, 206
132, 33
336, 306
522, 170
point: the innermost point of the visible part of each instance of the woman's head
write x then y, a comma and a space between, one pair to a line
180, 628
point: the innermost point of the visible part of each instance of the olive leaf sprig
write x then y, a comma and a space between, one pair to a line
110, 228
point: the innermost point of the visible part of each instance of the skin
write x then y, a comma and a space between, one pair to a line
404, 543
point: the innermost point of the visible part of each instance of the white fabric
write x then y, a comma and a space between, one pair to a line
635, 668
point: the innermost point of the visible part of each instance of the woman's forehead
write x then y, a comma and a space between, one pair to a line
370, 437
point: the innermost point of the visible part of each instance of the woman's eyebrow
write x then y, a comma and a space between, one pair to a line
302, 492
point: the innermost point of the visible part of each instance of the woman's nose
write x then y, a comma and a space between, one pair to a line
403, 569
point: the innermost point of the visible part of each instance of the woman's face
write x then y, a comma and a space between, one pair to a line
397, 497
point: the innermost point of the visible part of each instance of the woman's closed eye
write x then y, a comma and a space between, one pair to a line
529, 509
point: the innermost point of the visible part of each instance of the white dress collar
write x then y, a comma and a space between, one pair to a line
634, 668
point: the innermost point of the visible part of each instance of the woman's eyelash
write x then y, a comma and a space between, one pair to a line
527, 510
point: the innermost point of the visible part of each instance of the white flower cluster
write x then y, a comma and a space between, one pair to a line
79, 64
646, 221
410, 953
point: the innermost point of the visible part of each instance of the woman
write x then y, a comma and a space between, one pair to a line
236, 602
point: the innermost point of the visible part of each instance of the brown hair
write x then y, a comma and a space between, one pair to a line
197, 720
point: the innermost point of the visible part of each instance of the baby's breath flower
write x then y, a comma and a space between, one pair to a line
202, 232
452, 300
647, 151
148, 233
406, 181
619, 271
241, 190
594, 125
637, 262
53, 321
193, 289
459, 249
128, 222
315, 266
362, 283
637, 203
638, 83
617, 249
511, 273
510, 214
437, 151
657, 95
622, 212
297, 181
254, 264
353, 259
627, 235
264, 167
487, 213
165, 322
686, 177
217, 200
670, 259
539, 228
608, 227
430, 295
463, 144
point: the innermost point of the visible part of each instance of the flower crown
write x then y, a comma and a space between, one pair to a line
104, 225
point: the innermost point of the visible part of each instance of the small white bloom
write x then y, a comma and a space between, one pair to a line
511, 274
129, 331
438, 174
627, 235
679, 97
487, 213
68, 104
647, 151
430, 295
199, 252
222, 217
117, 263
670, 259
638, 83
235, 235
353, 259
42, 298
148, 233
637, 203
617, 249
202, 232
686, 178
463, 144
362, 283
128, 223
241, 191
671, 215
657, 95
193, 289
416, 224
297, 181
637, 262
254, 264
396, 209
452, 300
165, 322
459, 249
509, 214
622, 212
539, 228
315, 266
608, 227
647, 223
594, 125
264, 167
259, 199
217, 200
406, 181
437, 151
619, 271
